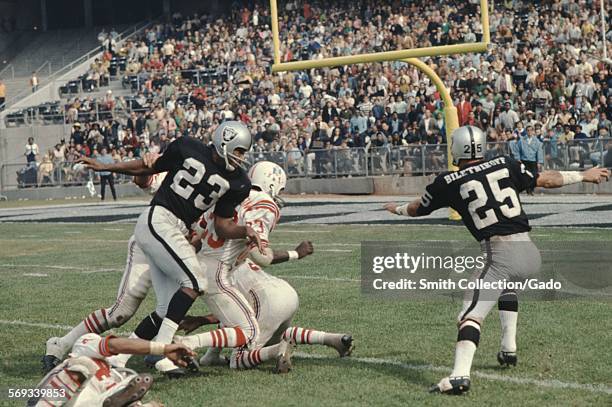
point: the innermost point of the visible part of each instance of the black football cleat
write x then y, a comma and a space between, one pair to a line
192, 364
164, 366
507, 358
345, 346
134, 391
452, 385
49, 362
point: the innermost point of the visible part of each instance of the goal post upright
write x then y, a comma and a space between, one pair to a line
409, 56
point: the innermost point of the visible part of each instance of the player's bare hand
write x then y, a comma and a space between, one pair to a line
149, 159
304, 249
596, 175
177, 352
196, 241
191, 323
143, 181
90, 163
391, 207
253, 237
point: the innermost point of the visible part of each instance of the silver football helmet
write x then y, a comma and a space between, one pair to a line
270, 178
229, 136
468, 143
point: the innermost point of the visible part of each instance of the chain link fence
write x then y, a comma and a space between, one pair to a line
411, 160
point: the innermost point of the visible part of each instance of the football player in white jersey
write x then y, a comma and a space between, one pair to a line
273, 301
134, 286
86, 379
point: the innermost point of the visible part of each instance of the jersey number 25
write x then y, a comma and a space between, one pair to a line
500, 196
219, 184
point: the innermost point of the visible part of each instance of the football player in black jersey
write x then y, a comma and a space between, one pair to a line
486, 195
198, 177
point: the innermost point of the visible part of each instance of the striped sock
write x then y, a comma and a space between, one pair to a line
219, 338
305, 336
96, 322
245, 359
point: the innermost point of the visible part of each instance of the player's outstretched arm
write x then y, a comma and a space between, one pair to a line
409, 209
133, 167
175, 352
557, 179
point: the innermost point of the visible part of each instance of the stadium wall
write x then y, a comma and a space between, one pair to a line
389, 185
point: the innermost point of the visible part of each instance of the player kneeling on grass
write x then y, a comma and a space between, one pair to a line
273, 301
134, 286
486, 195
86, 378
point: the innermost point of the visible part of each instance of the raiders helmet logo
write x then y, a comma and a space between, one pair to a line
229, 134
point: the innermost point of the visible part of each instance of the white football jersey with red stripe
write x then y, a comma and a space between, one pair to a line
251, 277
258, 211
84, 375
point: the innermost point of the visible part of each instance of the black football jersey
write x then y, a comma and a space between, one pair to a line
194, 183
485, 194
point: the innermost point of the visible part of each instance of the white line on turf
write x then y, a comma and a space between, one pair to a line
301, 231
552, 383
322, 278
46, 266
35, 275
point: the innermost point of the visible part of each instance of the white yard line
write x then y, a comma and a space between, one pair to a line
552, 383
322, 278
35, 275
301, 231
46, 266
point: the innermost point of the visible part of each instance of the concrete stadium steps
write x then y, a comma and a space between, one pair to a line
59, 47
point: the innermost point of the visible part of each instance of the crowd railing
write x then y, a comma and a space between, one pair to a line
334, 162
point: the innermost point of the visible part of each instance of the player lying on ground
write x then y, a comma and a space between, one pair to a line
86, 379
200, 177
486, 195
275, 303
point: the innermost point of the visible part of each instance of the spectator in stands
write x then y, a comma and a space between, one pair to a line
34, 82
531, 152
45, 170
58, 156
76, 135
31, 151
106, 177
189, 75
2, 94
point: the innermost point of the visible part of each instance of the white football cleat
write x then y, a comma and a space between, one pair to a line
213, 357
283, 360
452, 385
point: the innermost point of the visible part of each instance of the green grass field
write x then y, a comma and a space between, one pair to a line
52, 275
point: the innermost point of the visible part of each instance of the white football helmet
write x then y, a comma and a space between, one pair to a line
468, 143
270, 177
229, 136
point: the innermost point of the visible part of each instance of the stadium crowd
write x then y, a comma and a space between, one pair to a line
542, 91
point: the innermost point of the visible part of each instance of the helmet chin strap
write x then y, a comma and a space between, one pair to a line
277, 199
228, 166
